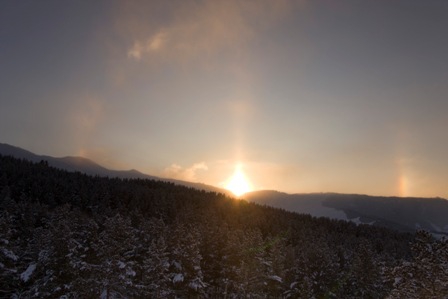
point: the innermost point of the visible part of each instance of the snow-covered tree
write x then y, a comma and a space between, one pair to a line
9, 257
185, 260
426, 276
314, 269
116, 249
154, 259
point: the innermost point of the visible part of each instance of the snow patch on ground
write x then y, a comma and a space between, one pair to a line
196, 285
105, 294
177, 265
10, 254
397, 280
25, 276
121, 265
435, 227
130, 272
276, 278
356, 221
178, 278
317, 209
439, 236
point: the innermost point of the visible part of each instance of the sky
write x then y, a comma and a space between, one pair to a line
299, 96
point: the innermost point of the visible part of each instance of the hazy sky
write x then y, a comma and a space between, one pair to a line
308, 96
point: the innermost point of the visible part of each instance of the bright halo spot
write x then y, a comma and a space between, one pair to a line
238, 183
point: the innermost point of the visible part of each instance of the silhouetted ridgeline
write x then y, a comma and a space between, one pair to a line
73, 235
83, 165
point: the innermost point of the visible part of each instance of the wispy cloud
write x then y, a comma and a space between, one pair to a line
154, 44
176, 171
203, 29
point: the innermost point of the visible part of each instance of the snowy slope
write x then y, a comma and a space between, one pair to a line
312, 205
404, 214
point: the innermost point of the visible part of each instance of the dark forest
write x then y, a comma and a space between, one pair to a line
69, 235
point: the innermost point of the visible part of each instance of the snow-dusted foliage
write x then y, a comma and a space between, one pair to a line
426, 275
67, 235
185, 270
25, 276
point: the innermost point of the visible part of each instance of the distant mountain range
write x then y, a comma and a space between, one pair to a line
89, 167
400, 213
403, 214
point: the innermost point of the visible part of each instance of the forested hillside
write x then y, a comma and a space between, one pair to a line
406, 214
69, 235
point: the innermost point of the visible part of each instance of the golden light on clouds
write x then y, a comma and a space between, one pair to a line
176, 171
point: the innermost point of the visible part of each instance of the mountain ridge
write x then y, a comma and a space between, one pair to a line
401, 213
90, 167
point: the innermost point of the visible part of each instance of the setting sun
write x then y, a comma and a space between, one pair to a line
238, 183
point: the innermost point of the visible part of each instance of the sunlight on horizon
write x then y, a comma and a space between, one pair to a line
238, 184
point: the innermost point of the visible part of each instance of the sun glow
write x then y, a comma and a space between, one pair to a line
238, 183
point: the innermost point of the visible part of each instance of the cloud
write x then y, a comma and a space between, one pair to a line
154, 44
200, 30
188, 174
